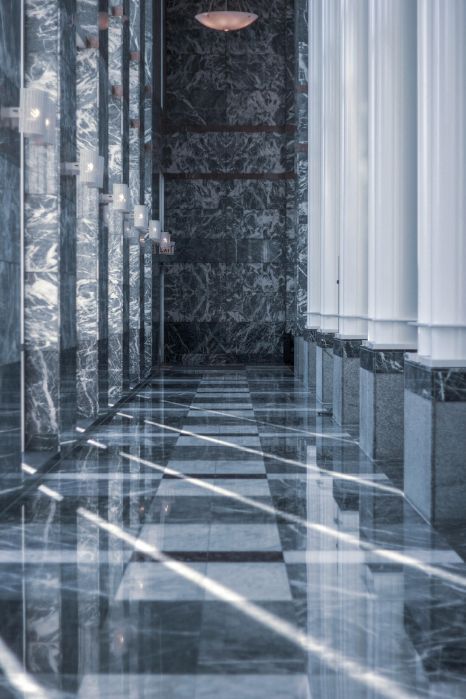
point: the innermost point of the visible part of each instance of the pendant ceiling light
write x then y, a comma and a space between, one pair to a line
226, 20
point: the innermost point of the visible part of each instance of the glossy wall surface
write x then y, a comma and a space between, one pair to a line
228, 158
9, 247
87, 290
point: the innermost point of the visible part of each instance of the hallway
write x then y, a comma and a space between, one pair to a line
216, 536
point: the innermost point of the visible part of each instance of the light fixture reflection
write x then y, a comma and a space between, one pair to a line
226, 20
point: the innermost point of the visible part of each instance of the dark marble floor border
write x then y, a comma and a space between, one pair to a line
215, 556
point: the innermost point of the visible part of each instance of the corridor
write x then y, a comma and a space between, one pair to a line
217, 536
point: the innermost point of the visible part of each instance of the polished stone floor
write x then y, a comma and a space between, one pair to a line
217, 538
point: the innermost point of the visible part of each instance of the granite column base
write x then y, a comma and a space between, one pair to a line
324, 368
435, 441
300, 359
346, 364
381, 394
310, 342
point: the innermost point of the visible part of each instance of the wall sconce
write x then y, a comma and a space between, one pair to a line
141, 217
121, 200
35, 117
155, 230
33, 109
167, 247
91, 168
50, 122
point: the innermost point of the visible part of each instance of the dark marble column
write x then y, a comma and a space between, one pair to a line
381, 403
10, 270
103, 102
87, 291
135, 185
435, 440
50, 233
115, 224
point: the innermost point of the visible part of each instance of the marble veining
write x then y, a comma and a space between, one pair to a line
232, 552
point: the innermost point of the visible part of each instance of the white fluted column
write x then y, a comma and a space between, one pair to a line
442, 181
354, 165
315, 163
392, 302
331, 162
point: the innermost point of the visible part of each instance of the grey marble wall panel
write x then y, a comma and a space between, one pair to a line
115, 227
67, 223
214, 343
10, 368
42, 279
103, 104
301, 160
42, 399
227, 118
136, 187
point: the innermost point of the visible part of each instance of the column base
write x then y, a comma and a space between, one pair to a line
346, 363
435, 442
381, 394
324, 368
310, 345
300, 359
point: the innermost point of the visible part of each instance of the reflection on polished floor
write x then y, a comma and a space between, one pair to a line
217, 537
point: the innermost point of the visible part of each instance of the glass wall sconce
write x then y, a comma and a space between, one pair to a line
130, 232
35, 117
91, 168
167, 247
121, 199
141, 217
155, 230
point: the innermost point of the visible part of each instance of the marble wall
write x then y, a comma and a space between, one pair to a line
228, 159
301, 161
88, 293
10, 273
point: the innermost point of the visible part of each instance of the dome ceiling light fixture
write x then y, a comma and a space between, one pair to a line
226, 20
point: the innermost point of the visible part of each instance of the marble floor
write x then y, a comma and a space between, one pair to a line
216, 537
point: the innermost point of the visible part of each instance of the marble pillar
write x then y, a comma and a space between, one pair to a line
352, 320
87, 238
116, 242
103, 288
135, 185
435, 378
10, 251
330, 198
152, 134
50, 233
314, 183
331, 164
392, 264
